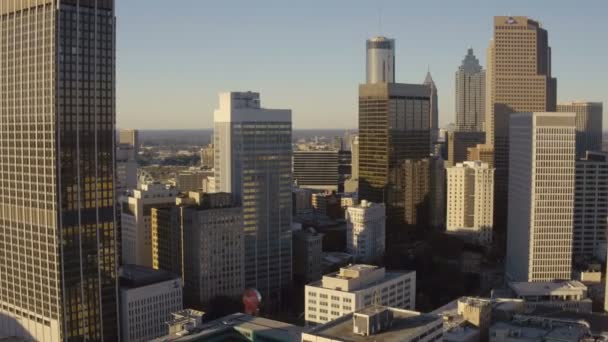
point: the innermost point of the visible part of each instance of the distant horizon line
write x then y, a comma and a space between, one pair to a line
211, 129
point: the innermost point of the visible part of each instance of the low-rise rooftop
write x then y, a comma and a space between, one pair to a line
554, 288
133, 276
405, 325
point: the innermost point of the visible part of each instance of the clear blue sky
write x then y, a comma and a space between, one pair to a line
174, 56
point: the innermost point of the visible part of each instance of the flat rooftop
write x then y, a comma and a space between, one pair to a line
134, 276
405, 324
229, 328
546, 288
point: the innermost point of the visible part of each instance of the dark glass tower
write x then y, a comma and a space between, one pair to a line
394, 125
57, 215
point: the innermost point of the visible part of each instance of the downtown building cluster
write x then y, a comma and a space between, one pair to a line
94, 249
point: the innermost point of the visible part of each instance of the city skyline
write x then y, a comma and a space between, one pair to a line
283, 54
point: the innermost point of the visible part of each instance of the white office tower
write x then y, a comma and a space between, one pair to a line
126, 169
253, 162
355, 287
148, 297
590, 207
470, 95
365, 231
380, 60
541, 196
136, 220
471, 201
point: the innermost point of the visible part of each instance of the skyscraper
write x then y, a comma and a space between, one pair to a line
58, 265
129, 137
380, 60
253, 162
541, 196
470, 95
428, 81
518, 80
590, 207
316, 169
588, 125
416, 191
458, 144
471, 201
394, 125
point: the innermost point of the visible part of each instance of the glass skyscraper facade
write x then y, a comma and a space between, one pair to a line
57, 215
394, 125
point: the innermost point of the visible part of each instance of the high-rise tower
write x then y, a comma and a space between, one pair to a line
518, 80
380, 60
470, 95
428, 81
58, 269
394, 125
253, 162
541, 197
588, 125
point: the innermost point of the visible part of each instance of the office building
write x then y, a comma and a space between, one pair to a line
129, 137
207, 156
344, 168
434, 122
136, 221
253, 162
355, 287
147, 299
518, 80
307, 255
354, 150
483, 152
470, 198
328, 204
302, 201
379, 323
365, 231
58, 265
126, 169
470, 95
458, 144
167, 239
588, 125
394, 125
416, 191
380, 60
590, 207
214, 249
193, 180
437, 192
316, 170
541, 196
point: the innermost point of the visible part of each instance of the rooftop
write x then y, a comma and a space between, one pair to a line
524, 289
134, 276
357, 277
405, 324
233, 326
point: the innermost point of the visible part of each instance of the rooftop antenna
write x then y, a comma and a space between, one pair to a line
380, 17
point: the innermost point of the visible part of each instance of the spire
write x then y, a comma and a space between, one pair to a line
428, 79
